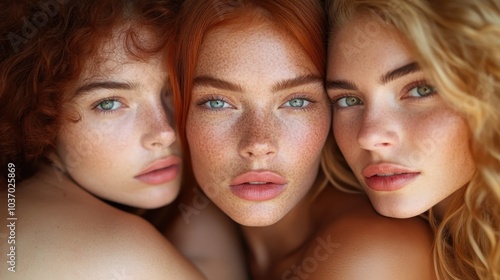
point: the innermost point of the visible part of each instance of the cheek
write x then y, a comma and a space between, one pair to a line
316, 133
439, 134
208, 142
344, 132
75, 148
305, 140
86, 147
451, 136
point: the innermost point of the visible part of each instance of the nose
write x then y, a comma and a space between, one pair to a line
158, 131
379, 129
260, 135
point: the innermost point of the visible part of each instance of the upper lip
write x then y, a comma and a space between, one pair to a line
386, 169
258, 177
160, 164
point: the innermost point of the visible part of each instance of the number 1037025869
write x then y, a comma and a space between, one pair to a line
11, 189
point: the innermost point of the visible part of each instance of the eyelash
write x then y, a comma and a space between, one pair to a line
406, 90
334, 102
305, 97
104, 112
206, 99
419, 83
338, 97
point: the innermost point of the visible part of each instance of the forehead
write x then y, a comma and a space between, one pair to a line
366, 40
256, 46
115, 54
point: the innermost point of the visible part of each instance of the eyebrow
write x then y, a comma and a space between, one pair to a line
340, 84
399, 72
279, 86
92, 86
384, 79
216, 83
297, 81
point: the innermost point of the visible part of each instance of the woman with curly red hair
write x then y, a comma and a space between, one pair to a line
86, 115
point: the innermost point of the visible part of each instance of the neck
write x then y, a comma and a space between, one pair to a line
444, 205
439, 210
58, 183
276, 242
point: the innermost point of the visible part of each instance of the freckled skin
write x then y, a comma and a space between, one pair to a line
103, 152
420, 133
79, 235
254, 129
256, 132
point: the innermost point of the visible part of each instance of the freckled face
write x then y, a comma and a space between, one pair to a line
258, 106
407, 148
123, 149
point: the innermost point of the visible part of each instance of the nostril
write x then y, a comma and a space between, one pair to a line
255, 150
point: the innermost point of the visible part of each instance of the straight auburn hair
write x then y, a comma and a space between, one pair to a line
304, 20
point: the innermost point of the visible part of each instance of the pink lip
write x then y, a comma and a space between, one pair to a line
160, 171
273, 185
401, 176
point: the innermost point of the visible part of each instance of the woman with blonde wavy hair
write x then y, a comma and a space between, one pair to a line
415, 87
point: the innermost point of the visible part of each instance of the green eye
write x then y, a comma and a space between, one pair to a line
349, 101
108, 105
297, 103
422, 91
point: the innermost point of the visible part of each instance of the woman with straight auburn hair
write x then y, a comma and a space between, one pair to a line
254, 118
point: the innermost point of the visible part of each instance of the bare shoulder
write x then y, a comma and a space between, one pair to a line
74, 238
199, 221
361, 244
131, 247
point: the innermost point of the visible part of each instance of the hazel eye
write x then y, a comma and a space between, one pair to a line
421, 91
297, 103
349, 101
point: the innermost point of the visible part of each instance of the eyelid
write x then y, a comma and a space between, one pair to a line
203, 100
306, 103
95, 105
406, 90
307, 97
336, 99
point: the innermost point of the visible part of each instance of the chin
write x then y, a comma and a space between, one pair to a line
256, 219
397, 212
256, 223
158, 197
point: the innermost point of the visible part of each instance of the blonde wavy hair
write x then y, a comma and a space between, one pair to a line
457, 44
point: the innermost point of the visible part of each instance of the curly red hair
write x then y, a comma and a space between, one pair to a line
43, 47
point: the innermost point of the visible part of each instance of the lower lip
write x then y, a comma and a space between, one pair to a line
257, 192
390, 183
160, 176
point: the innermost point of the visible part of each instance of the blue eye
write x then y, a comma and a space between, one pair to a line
297, 103
109, 105
421, 91
216, 104
348, 101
